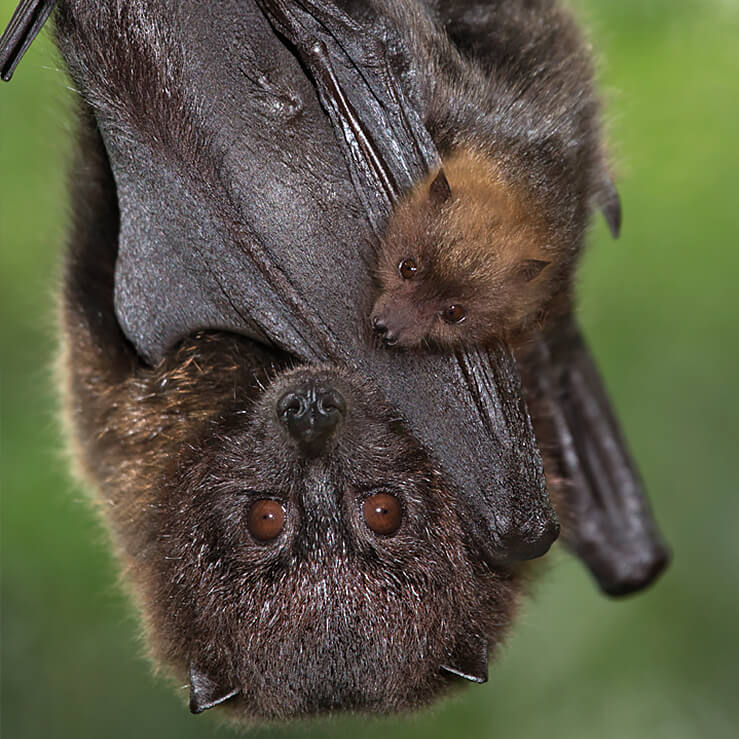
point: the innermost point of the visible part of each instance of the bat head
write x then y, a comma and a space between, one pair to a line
309, 560
466, 258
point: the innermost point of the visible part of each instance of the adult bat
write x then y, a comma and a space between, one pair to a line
223, 226
276, 100
154, 132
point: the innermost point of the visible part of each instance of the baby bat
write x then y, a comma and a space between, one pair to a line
292, 547
478, 248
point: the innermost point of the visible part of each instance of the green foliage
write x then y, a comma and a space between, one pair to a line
661, 309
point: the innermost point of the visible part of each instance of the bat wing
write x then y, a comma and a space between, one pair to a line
240, 212
25, 24
606, 517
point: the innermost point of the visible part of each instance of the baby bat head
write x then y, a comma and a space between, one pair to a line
466, 258
310, 560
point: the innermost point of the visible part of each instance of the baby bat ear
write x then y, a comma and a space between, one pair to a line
469, 659
440, 191
530, 268
206, 692
609, 202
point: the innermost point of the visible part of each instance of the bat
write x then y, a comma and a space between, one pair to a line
245, 196
292, 546
478, 248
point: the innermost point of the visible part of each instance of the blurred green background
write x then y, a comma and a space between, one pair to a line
662, 312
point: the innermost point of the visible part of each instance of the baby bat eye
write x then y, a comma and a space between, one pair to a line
454, 314
382, 513
266, 519
407, 269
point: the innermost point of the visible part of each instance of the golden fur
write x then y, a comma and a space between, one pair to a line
477, 248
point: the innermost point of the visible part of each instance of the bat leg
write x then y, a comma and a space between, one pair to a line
606, 517
25, 24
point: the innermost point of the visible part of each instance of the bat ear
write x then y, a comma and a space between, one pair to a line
530, 268
469, 659
206, 692
440, 191
609, 202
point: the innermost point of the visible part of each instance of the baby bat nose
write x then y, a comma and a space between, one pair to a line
388, 335
311, 414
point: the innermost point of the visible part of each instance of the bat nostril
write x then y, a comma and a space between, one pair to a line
330, 402
390, 337
292, 405
378, 324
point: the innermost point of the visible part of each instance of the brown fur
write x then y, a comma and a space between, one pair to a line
327, 617
471, 250
507, 93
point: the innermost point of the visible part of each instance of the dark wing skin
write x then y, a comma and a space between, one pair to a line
607, 521
606, 518
239, 212
23, 27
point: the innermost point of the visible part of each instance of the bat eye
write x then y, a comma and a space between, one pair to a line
407, 269
266, 519
382, 513
454, 314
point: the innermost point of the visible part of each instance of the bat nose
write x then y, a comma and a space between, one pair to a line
311, 414
388, 335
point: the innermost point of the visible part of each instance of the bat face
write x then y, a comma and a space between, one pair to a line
292, 547
466, 258
307, 571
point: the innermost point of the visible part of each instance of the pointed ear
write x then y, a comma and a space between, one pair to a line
609, 202
440, 191
530, 268
469, 659
206, 692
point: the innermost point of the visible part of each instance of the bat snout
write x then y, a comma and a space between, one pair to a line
387, 334
398, 323
311, 413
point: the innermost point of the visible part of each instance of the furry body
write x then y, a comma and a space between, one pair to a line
326, 617
507, 94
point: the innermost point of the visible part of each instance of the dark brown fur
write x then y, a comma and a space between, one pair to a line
507, 91
328, 616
